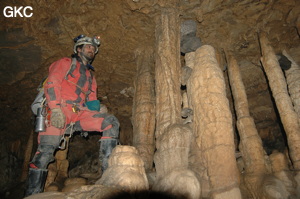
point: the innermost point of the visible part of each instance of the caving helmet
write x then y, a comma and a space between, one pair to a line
82, 39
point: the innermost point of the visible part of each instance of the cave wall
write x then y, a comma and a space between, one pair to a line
29, 45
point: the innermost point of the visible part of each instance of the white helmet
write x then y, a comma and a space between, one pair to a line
82, 39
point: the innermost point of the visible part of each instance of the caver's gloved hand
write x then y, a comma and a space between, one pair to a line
57, 118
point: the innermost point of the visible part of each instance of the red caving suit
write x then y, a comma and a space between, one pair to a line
63, 90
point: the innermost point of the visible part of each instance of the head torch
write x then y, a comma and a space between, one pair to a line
82, 39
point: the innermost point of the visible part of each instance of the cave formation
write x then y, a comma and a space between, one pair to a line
218, 121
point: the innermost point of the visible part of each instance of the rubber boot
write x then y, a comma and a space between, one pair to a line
106, 147
36, 181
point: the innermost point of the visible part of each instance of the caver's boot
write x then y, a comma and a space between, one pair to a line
106, 147
35, 181
109, 139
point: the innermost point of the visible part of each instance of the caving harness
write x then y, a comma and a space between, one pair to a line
39, 106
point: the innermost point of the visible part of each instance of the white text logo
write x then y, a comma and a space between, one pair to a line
15, 11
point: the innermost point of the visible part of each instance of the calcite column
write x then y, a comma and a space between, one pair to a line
167, 71
167, 79
250, 143
143, 111
172, 137
293, 80
212, 124
283, 101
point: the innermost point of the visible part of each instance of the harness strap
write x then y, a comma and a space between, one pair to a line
70, 72
90, 86
72, 68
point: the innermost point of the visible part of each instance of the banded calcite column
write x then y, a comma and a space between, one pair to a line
143, 111
167, 79
283, 101
250, 143
172, 137
167, 71
212, 124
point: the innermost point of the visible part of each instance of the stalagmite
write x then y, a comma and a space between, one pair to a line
293, 80
283, 101
125, 170
281, 171
172, 158
143, 111
58, 170
73, 183
212, 124
250, 142
196, 161
172, 137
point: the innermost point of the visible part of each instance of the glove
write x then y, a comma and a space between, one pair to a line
57, 118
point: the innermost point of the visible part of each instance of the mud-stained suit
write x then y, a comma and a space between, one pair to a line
68, 88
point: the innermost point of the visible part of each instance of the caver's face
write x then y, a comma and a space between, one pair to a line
88, 51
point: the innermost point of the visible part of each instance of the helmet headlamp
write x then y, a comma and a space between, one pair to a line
82, 39
96, 40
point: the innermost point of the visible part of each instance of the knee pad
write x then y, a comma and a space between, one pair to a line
114, 131
110, 120
43, 156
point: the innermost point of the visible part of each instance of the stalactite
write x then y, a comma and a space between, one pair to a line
212, 124
283, 101
293, 81
250, 143
143, 111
